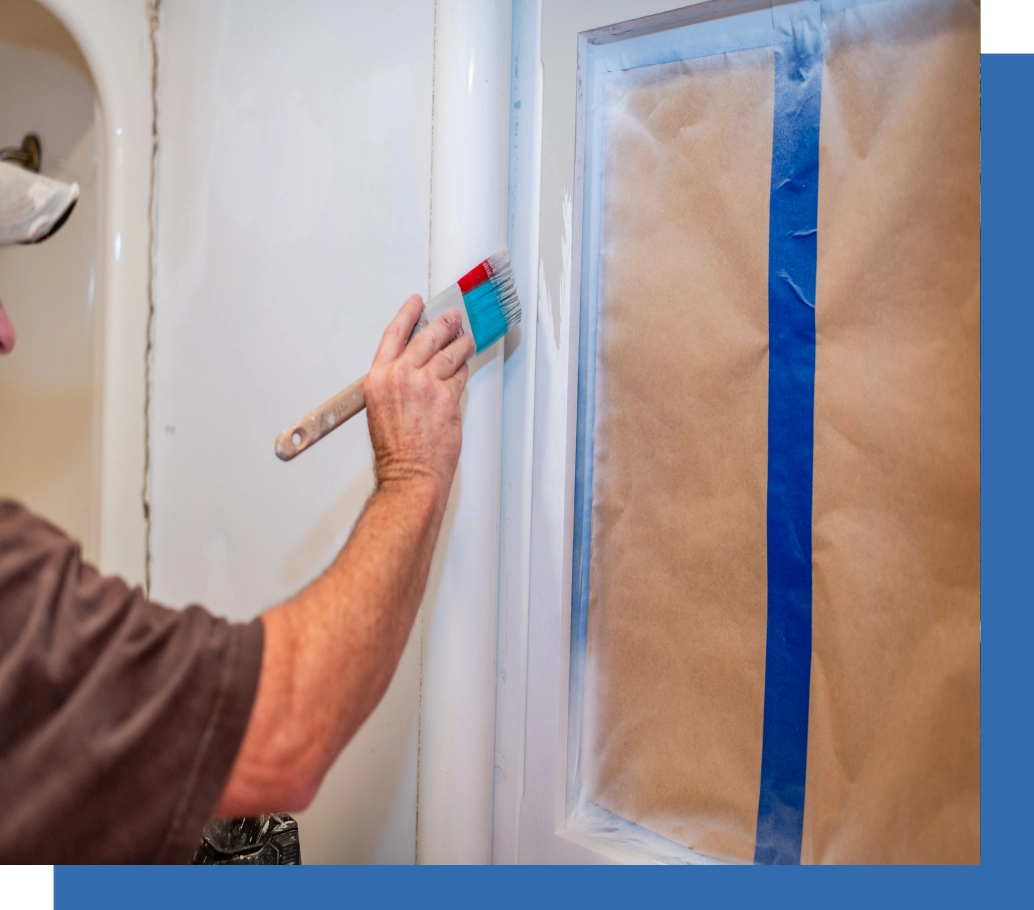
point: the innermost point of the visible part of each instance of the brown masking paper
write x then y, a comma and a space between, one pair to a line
894, 730
675, 657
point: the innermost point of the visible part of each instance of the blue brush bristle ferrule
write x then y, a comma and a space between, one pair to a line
492, 308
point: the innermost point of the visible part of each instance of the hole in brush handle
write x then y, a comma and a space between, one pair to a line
350, 401
321, 421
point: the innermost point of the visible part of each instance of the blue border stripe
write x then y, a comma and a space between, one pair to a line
1007, 482
793, 220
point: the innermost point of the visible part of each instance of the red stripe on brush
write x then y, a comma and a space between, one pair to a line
477, 275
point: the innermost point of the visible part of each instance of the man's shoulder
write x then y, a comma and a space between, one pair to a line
27, 536
16, 518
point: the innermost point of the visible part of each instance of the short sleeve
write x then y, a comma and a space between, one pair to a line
120, 719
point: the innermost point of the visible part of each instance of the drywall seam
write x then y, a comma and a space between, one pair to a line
153, 21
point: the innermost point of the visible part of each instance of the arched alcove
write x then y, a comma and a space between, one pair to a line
50, 383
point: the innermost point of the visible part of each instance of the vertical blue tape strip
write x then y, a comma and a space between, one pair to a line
791, 403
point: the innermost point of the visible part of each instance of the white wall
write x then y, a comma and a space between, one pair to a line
293, 214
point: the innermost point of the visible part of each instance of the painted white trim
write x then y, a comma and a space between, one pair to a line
525, 169
114, 38
468, 223
538, 726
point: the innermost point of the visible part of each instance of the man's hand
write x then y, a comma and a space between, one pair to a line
331, 650
413, 399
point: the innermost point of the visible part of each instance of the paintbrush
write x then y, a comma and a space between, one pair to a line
486, 298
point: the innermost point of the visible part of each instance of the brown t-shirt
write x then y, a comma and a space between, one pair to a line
119, 719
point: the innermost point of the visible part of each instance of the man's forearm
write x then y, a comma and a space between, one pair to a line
352, 623
331, 650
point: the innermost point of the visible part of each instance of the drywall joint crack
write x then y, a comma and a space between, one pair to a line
153, 18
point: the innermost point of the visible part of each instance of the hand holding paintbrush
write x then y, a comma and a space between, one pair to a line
485, 300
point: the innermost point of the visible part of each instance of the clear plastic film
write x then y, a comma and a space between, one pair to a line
671, 576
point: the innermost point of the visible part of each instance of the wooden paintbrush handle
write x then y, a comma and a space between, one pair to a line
320, 421
335, 411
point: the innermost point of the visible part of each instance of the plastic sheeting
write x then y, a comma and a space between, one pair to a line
672, 628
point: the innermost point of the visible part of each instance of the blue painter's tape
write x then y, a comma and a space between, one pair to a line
792, 239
